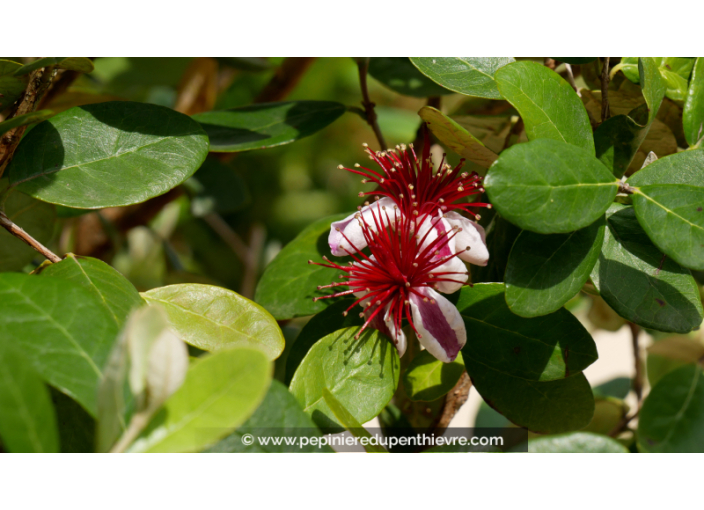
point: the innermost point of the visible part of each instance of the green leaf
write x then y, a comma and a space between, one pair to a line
550, 187
693, 115
35, 217
11, 87
681, 168
546, 348
400, 75
216, 188
322, 324
361, 373
80, 64
61, 328
213, 318
289, 283
673, 217
576, 442
675, 72
108, 154
27, 417
427, 379
618, 139
77, 430
265, 125
546, 271
618, 387
350, 422
672, 417
221, 391
457, 138
279, 416
110, 289
471, 76
500, 236
549, 106
24, 120
639, 282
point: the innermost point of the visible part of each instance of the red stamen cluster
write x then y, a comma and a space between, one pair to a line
399, 266
413, 184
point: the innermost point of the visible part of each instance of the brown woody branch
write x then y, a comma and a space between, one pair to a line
19, 233
370, 113
605, 90
453, 401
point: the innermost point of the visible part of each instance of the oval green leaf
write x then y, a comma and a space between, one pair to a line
546, 271
361, 373
674, 71
111, 290
471, 76
265, 125
673, 217
289, 283
350, 422
220, 392
400, 75
62, 330
108, 154
681, 168
549, 106
427, 379
639, 282
672, 417
322, 324
24, 120
550, 187
693, 115
457, 138
576, 442
213, 318
35, 217
546, 348
27, 417
11, 87
279, 416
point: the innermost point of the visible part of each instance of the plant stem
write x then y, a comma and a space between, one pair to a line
18, 232
137, 424
363, 66
638, 378
453, 401
605, 90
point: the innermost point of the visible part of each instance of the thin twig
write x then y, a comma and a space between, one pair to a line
19, 233
605, 90
286, 78
231, 238
638, 378
363, 66
251, 269
570, 78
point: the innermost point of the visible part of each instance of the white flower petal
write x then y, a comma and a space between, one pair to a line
452, 265
441, 328
350, 227
472, 235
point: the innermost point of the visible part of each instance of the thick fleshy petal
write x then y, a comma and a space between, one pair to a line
441, 328
351, 228
472, 236
452, 265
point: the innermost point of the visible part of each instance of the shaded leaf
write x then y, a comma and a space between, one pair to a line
672, 416
265, 125
61, 329
108, 154
278, 416
11, 87
575, 60
546, 348
639, 282
457, 138
76, 426
213, 318
471, 76
549, 106
618, 387
289, 283
427, 379
546, 271
576, 442
400, 75
548, 187
361, 373
35, 217
216, 188
80, 64
351, 423
221, 391
27, 417
24, 120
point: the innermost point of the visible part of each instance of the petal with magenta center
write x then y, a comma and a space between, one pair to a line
441, 328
